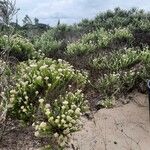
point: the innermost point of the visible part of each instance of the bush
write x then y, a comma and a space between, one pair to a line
89, 43
115, 61
80, 48
48, 44
3, 42
48, 91
18, 47
121, 71
122, 35
114, 83
21, 48
85, 45
124, 70
99, 39
104, 38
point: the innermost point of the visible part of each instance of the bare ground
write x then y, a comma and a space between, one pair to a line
124, 127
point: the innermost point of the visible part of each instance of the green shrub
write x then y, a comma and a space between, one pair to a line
89, 43
17, 46
48, 44
109, 83
3, 42
46, 78
114, 83
80, 48
21, 48
107, 102
85, 45
104, 38
97, 40
145, 55
89, 38
124, 70
62, 117
122, 34
119, 60
49, 93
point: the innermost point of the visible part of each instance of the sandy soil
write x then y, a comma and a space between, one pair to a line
125, 127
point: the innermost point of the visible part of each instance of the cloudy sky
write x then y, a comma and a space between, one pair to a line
71, 11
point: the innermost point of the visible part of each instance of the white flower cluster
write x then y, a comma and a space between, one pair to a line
63, 116
37, 80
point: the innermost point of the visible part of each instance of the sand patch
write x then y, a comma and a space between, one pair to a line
125, 127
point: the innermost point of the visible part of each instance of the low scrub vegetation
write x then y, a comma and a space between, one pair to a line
18, 47
48, 84
99, 39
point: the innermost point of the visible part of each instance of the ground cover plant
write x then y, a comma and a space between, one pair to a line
47, 87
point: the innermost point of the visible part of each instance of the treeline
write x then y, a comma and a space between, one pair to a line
134, 19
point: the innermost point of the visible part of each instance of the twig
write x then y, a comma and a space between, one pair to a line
127, 135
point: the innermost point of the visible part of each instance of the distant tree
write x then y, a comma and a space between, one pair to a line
58, 23
7, 10
27, 20
36, 21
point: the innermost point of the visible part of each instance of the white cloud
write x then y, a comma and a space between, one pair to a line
49, 11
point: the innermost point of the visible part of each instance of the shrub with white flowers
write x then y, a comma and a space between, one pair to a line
48, 43
52, 91
119, 60
113, 84
62, 117
80, 48
45, 79
18, 46
122, 34
125, 70
97, 40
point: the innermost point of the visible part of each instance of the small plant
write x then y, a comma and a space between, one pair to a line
122, 35
48, 44
62, 117
128, 80
80, 48
107, 103
104, 38
145, 55
109, 84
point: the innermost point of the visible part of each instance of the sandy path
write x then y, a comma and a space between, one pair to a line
125, 127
